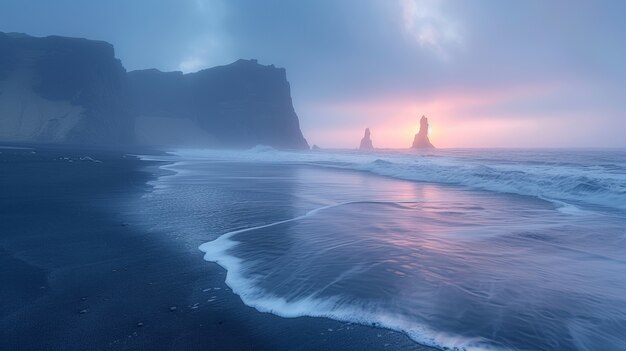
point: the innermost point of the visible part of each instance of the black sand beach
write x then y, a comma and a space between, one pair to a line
77, 275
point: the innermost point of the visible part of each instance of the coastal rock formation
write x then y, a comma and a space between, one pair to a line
62, 90
239, 105
366, 141
421, 138
69, 90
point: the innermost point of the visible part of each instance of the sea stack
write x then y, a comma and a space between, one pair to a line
366, 142
421, 138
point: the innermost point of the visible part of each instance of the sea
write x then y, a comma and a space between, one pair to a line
459, 249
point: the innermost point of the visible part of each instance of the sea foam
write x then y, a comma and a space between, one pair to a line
524, 262
313, 306
571, 178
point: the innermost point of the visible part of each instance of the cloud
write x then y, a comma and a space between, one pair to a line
434, 55
206, 44
430, 27
192, 64
205, 51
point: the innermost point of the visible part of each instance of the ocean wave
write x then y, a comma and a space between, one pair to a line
334, 307
262, 148
543, 182
579, 180
301, 267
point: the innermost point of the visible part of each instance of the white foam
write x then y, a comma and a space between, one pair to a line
536, 181
262, 148
565, 207
334, 307
90, 159
570, 183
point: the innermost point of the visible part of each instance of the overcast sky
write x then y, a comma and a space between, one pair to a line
486, 73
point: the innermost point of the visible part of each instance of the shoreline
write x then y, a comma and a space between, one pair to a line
100, 250
82, 277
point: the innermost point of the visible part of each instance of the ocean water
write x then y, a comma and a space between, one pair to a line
459, 249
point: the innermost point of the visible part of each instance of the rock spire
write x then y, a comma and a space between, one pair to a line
421, 138
366, 142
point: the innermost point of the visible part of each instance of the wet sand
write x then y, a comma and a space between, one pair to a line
76, 274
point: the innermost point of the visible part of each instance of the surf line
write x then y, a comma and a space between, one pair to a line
308, 214
215, 251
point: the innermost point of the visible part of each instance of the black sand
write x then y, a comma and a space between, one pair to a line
74, 275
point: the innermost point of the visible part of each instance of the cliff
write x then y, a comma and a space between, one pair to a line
62, 90
421, 140
69, 90
242, 104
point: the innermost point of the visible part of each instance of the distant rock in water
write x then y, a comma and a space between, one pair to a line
239, 105
315, 147
366, 142
421, 138
62, 90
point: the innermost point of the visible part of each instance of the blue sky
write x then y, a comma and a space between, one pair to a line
487, 73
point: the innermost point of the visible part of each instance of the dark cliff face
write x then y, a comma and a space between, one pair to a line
61, 89
239, 105
69, 90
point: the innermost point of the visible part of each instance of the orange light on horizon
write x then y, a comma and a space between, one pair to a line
458, 117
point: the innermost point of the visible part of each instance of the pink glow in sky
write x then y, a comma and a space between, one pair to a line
486, 73
473, 118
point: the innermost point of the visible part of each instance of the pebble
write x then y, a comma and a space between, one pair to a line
173, 308
83, 311
139, 325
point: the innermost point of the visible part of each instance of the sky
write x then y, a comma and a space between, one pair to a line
487, 73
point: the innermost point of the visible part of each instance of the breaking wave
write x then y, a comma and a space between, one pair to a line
459, 268
569, 178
